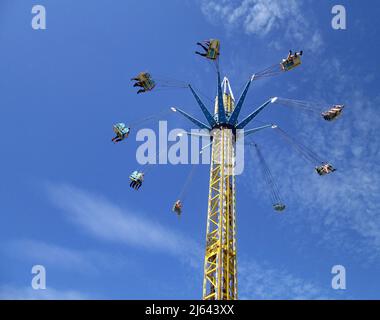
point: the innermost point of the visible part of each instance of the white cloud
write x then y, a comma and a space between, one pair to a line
261, 281
315, 42
48, 254
107, 221
280, 18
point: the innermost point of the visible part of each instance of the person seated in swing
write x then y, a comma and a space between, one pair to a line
279, 207
177, 208
291, 61
141, 85
205, 46
210, 47
136, 179
122, 132
324, 169
333, 113
144, 81
291, 56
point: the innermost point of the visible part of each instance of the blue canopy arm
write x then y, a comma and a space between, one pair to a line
208, 115
235, 114
192, 119
249, 118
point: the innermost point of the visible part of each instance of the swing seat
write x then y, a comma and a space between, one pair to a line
324, 169
279, 207
291, 63
121, 130
213, 50
145, 79
177, 207
333, 113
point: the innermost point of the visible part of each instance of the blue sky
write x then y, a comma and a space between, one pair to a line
65, 202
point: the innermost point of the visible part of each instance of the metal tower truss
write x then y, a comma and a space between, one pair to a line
220, 270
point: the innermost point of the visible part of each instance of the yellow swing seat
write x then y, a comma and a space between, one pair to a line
213, 50
291, 63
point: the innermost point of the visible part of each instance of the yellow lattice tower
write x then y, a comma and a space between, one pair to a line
220, 278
